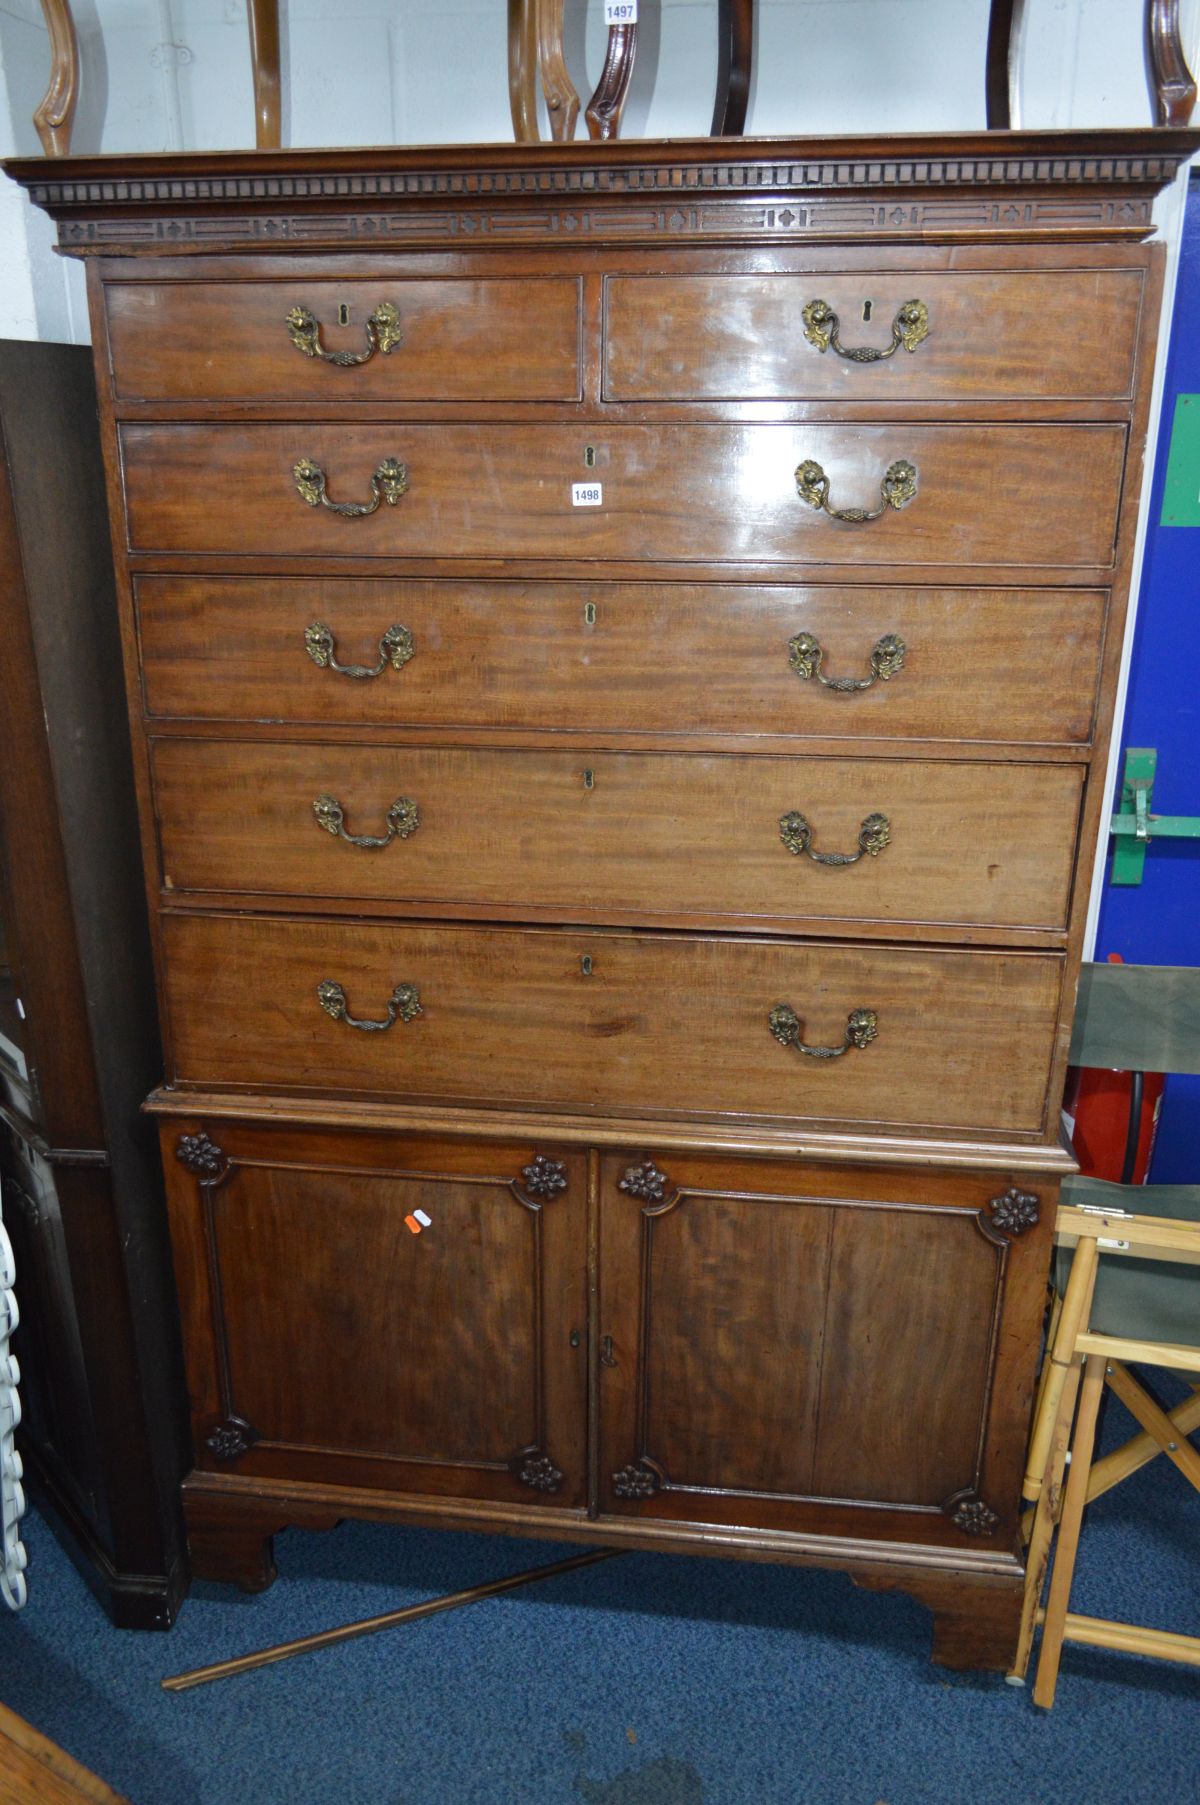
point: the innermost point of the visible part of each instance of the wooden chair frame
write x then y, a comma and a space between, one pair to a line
1079, 1366
535, 47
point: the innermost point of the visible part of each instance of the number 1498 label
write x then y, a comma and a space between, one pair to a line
587, 495
620, 12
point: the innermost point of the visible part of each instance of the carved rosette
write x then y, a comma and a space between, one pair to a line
231, 1438
636, 1481
1010, 1214
536, 1470
201, 1156
645, 1181
968, 1512
545, 1178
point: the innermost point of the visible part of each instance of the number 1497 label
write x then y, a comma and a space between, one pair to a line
620, 12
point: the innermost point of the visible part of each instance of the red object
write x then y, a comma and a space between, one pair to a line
1099, 1103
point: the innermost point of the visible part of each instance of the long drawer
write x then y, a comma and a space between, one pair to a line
972, 335
984, 495
603, 836
613, 1022
988, 664
514, 339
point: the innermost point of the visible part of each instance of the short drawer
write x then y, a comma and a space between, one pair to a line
971, 664
618, 836
614, 1022
984, 495
972, 335
514, 339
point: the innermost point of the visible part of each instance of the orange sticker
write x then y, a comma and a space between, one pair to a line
412, 1223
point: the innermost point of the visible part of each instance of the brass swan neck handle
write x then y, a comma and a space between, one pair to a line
897, 487
388, 483
862, 1027
396, 647
382, 330
873, 836
822, 328
403, 818
403, 1004
805, 654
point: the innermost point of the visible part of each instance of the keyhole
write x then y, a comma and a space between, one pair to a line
585, 964
589, 614
343, 314
589, 780
866, 310
589, 456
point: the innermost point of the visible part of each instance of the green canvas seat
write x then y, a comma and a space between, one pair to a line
1142, 1300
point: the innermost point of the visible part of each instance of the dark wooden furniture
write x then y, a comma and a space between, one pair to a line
617, 756
104, 1429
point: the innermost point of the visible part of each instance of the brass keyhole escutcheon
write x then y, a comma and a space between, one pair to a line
585, 964
589, 779
589, 457
343, 313
589, 614
866, 310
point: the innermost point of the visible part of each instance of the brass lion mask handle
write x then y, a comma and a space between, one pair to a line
388, 483
796, 834
383, 335
403, 819
403, 1004
896, 489
821, 328
887, 657
862, 1027
395, 648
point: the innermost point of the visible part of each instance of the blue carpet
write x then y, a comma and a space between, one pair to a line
649, 1680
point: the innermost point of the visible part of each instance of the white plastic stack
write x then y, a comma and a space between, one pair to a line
12, 1494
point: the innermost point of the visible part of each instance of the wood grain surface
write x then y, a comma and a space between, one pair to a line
593, 836
1004, 665
991, 336
997, 495
484, 340
672, 1023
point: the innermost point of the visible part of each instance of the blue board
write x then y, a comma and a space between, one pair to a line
1158, 922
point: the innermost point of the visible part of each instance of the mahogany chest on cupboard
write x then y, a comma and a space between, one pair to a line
621, 644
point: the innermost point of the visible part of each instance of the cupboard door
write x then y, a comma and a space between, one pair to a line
370, 1311
832, 1350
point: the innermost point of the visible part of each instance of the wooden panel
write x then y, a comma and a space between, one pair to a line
993, 335
986, 664
733, 1298
460, 340
653, 834
660, 1023
318, 1317
993, 495
912, 1312
784, 1334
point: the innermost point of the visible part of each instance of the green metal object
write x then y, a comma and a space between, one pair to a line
1134, 826
1181, 493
